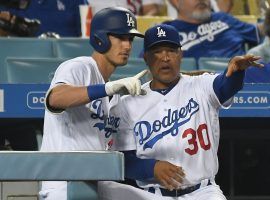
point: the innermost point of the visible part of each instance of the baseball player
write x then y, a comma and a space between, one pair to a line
77, 103
175, 127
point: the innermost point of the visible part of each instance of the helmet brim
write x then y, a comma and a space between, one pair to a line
136, 33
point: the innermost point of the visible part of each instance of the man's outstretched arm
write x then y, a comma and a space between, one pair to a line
228, 83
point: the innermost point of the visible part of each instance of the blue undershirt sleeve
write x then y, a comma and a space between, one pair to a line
138, 169
96, 91
226, 87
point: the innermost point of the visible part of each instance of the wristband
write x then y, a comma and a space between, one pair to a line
96, 91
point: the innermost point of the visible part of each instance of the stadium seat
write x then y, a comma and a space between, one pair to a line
247, 18
253, 7
188, 64
144, 22
31, 70
214, 64
134, 66
72, 47
240, 8
23, 47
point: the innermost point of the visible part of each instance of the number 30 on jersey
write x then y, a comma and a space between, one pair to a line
200, 136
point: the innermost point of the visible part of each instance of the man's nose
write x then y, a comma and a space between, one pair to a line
165, 56
127, 43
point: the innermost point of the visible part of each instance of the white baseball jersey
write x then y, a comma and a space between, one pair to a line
78, 128
181, 127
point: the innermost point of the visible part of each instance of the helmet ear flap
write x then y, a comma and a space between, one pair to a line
100, 42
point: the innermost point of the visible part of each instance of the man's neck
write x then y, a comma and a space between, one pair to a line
105, 67
157, 85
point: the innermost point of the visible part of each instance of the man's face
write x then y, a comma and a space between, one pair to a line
164, 63
120, 49
198, 10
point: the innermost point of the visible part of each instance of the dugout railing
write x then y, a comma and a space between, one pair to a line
82, 169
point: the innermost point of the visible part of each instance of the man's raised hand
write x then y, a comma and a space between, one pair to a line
239, 63
130, 85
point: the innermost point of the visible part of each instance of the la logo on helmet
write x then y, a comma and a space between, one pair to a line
161, 32
130, 21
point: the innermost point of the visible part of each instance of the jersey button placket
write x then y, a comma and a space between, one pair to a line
165, 101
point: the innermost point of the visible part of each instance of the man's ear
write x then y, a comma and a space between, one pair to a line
145, 58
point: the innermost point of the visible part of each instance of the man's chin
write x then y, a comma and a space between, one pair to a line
202, 16
123, 63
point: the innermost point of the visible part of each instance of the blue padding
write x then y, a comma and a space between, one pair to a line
83, 165
72, 47
31, 70
23, 47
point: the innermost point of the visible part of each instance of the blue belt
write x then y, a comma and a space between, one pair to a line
179, 192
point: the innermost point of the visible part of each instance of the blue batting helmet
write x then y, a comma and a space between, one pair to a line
113, 20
